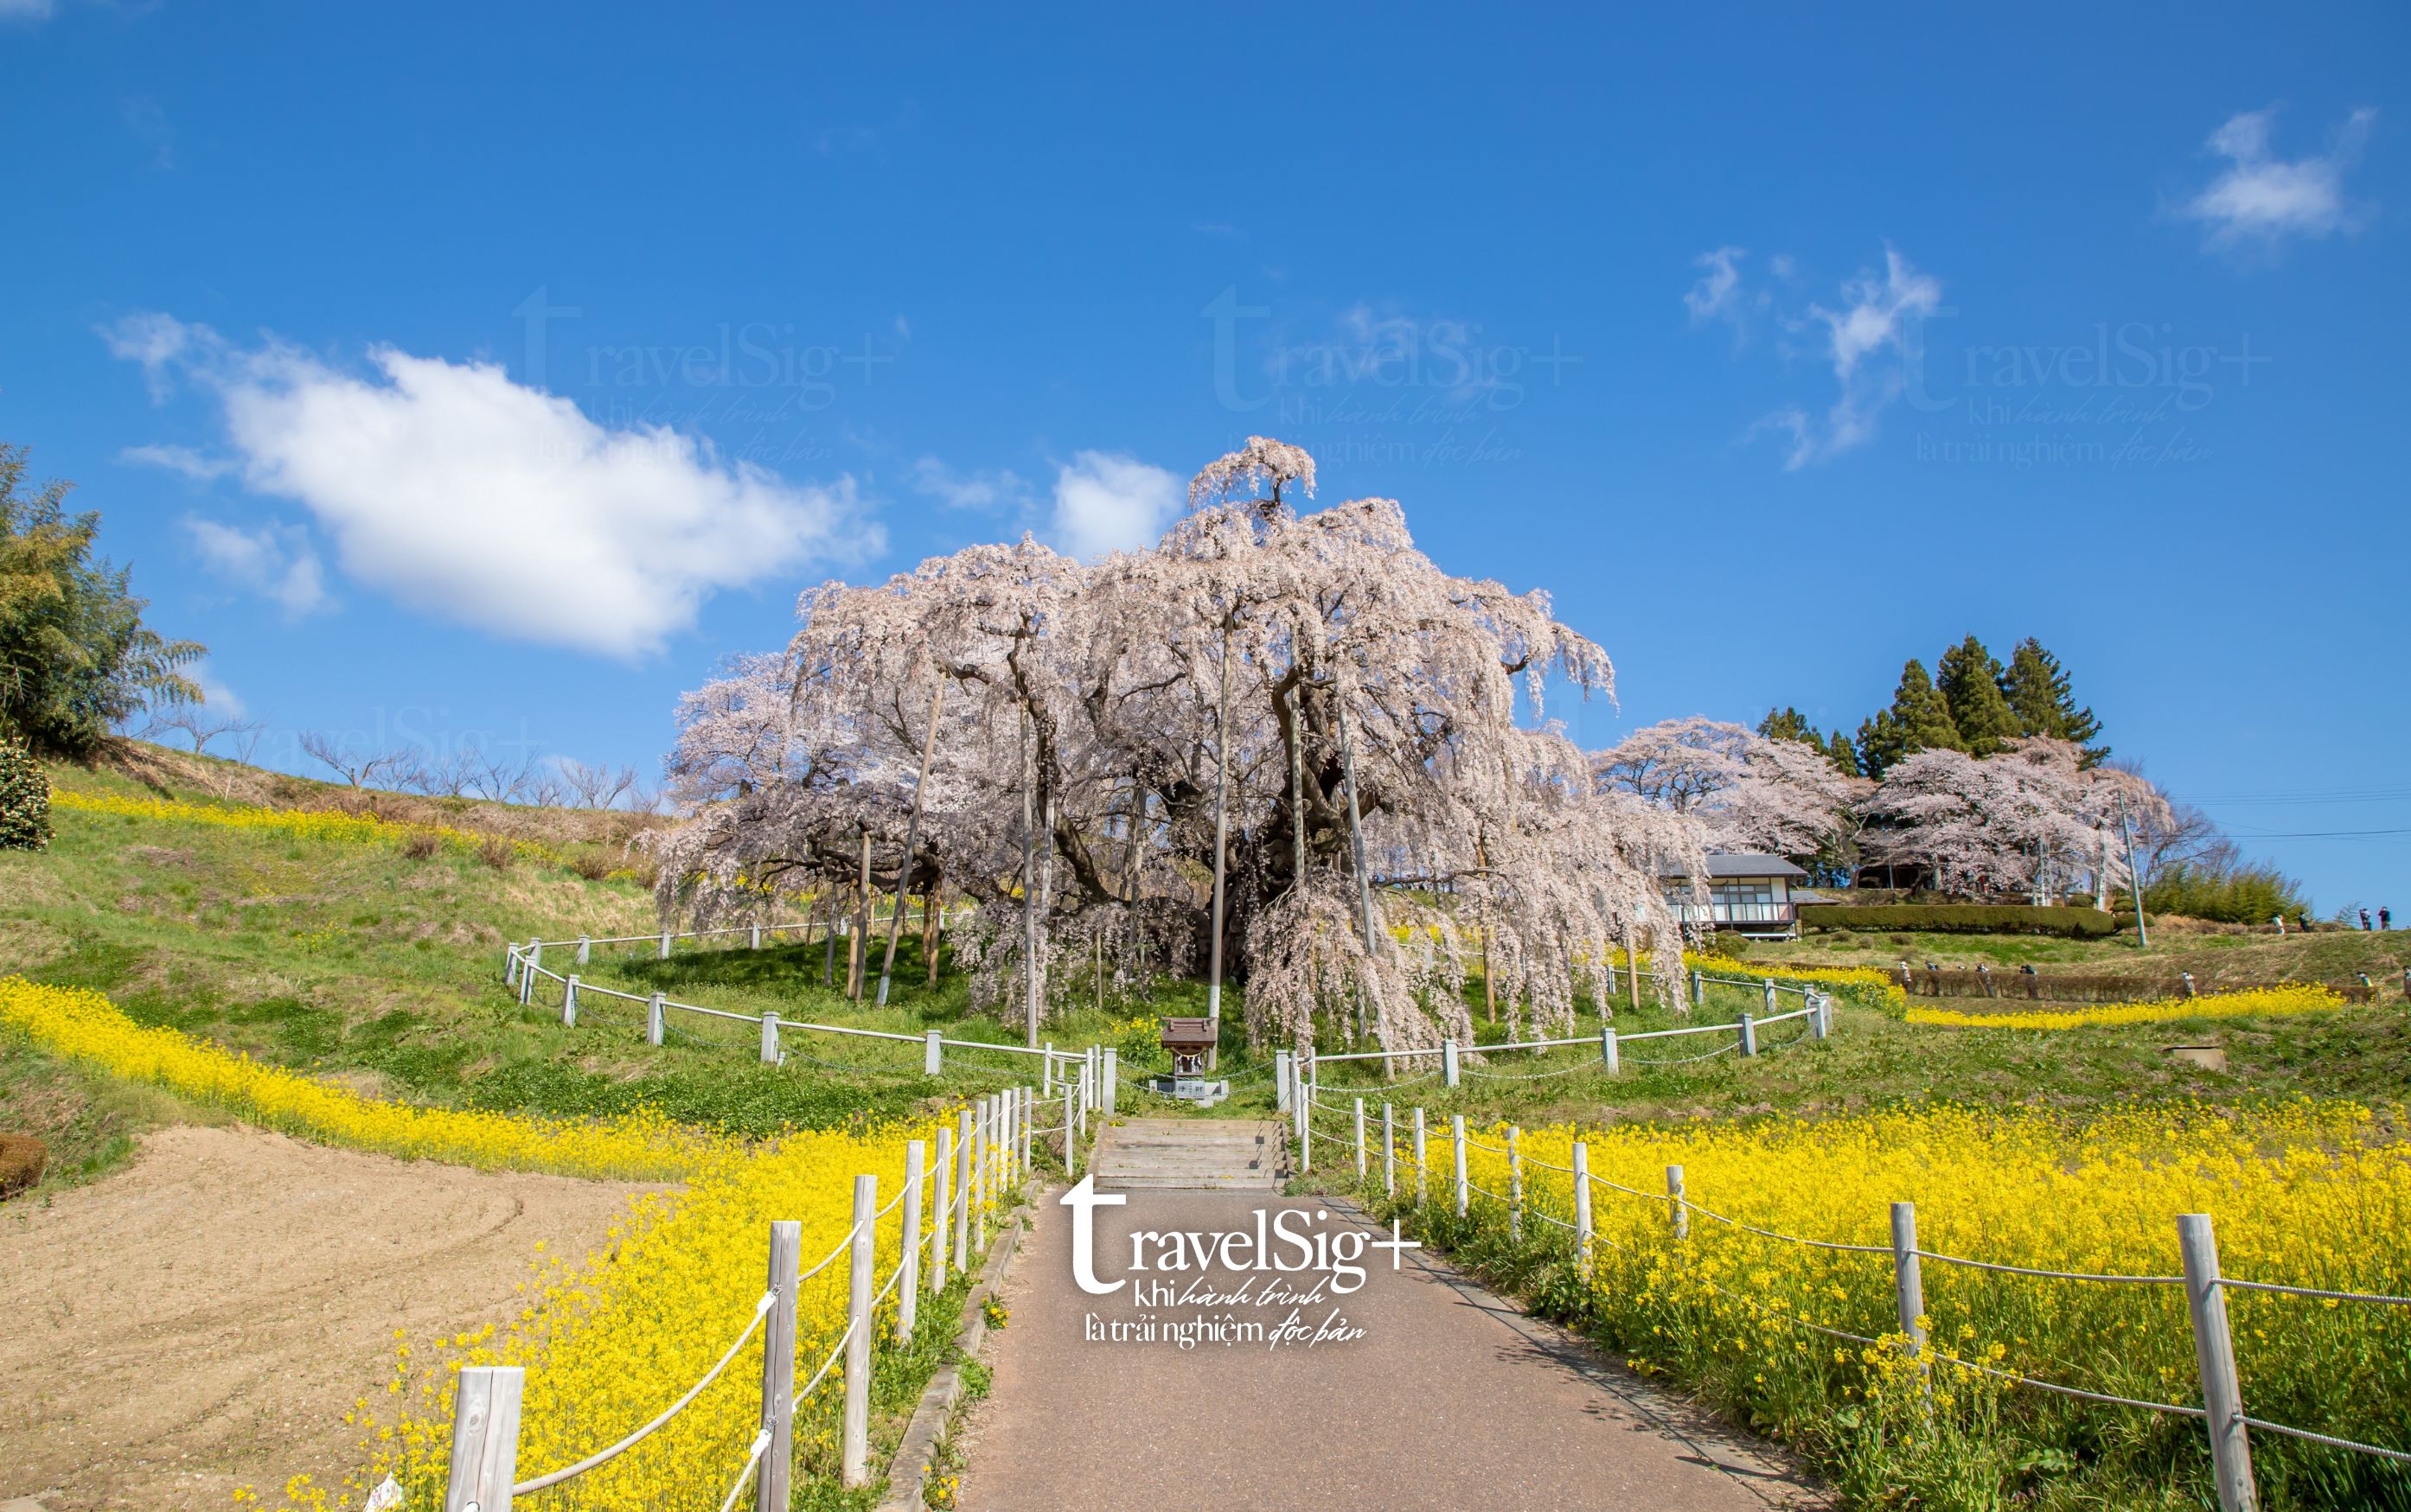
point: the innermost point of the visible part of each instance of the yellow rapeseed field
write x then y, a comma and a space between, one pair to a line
84, 1026
303, 824
2305, 1193
611, 1339
2252, 1002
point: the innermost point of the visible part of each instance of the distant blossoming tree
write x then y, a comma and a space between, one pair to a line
2027, 819
1750, 792
1050, 737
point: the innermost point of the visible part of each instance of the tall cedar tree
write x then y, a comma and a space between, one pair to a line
1971, 681
75, 657
1919, 720
2038, 693
1788, 723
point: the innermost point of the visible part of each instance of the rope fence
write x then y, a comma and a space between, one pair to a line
1379, 1157
950, 1199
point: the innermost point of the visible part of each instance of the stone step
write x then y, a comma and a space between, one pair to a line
1190, 1154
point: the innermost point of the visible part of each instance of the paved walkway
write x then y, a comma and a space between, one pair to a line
1450, 1399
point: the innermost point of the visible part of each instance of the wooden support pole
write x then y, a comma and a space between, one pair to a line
1515, 1183
2213, 1348
1422, 1167
861, 1286
778, 1368
1679, 1217
943, 1210
1581, 1203
963, 1189
1457, 1134
485, 1438
1360, 1141
654, 1028
907, 1289
1389, 1150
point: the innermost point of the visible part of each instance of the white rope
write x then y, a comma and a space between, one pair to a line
2331, 1442
2055, 1275
2314, 1291
761, 1443
818, 1374
761, 1310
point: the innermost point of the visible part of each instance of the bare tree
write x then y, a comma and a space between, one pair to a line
357, 766
451, 774
596, 787
498, 778
197, 724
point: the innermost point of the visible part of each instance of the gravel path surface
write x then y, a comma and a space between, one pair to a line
1451, 1399
204, 1318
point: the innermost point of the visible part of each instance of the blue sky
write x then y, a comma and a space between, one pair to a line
489, 372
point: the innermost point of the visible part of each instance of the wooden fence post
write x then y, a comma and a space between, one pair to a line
653, 1025
485, 1438
779, 1369
1770, 997
665, 946
1582, 1203
854, 1448
932, 1053
1360, 1141
1515, 1183
1456, 1132
1448, 1063
1047, 1071
1028, 1105
1815, 1014
1389, 1150
2214, 1349
1699, 989
1281, 1082
1609, 1054
942, 1217
963, 1189
769, 1037
976, 1208
1908, 1283
1070, 1144
585, 946
1679, 1217
907, 1289
1748, 1035
1110, 1057
569, 1001
755, 943
1422, 1186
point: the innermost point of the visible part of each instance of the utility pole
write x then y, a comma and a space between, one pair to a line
2134, 877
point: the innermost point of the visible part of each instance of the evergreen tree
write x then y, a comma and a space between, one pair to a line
1918, 720
75, 656
1843, 756
1970, 681
2038, 694
1788, 723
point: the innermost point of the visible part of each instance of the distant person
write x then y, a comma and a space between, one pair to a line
2302, 922
2364, 921
2384, 919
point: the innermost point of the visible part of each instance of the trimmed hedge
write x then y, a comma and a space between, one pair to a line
25, 799
1960, 918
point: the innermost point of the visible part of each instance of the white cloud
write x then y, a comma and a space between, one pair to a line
1108, 502
2261, 199
277, 562
25, 11
1867, 341
969, 490
154, 340
481, 501
182, 459
1717, 294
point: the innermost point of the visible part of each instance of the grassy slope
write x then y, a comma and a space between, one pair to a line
2216, 958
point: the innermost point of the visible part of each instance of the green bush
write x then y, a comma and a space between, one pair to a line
25, 799
2240, 895
1960, 918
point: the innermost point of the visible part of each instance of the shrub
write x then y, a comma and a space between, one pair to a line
420, 845
592, 865
21, 1158
2243, 895
25, 799
1963, 918
496, 852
